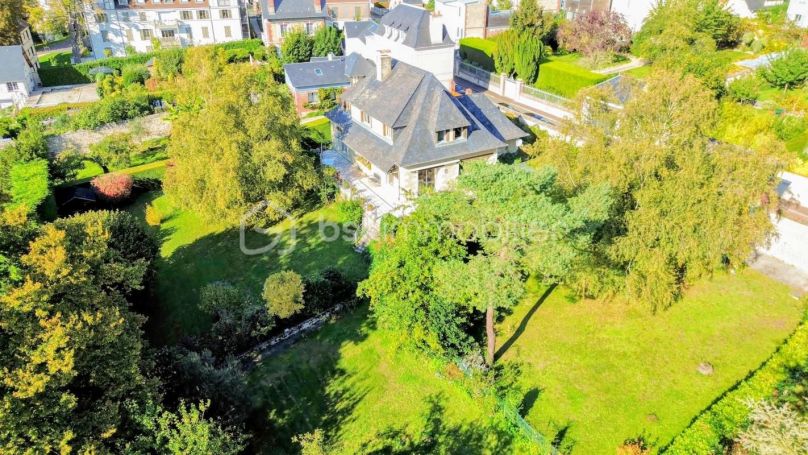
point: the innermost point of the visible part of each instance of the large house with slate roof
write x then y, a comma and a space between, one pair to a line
411, 35
404, 130
279, 17
306, 79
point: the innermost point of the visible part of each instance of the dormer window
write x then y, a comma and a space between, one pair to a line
364, 117
388, 132
451, 135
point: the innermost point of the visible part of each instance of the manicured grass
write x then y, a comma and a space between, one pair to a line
154, 170
353, 381
319, 130
195, 252
479, 50
639, 73
562, 76
605, 372
58, 58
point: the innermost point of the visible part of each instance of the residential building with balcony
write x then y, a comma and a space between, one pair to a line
279, 17
114, 25
411, 35
409, 135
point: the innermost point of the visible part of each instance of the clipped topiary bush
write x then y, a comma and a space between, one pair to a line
153, 216
113, 188
566, 79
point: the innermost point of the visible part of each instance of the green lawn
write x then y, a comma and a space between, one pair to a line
639, 73
605, 372
195, 252
154, 169
562, 75
319, 130
57, 58
352, 381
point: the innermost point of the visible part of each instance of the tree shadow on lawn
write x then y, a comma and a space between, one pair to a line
305, 388
219, 257
525, 320
435, 435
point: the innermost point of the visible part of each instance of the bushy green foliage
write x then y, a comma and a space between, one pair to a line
504, 52
29, 183
113, 151
326, 289
788, 71
129, 105
134, 74
528, 53
480, 51
351, 211
283, 294
189, 432
566, 79
297, 46
726, 418
168, 64
327, 40
744, 90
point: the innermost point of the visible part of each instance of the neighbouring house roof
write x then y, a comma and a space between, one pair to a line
623, 87
13, 68
293, 9
322, 72
416, 105
413, 23
354, 29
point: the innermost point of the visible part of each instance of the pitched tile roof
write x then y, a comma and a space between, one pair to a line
293, 9
417, 106
322, 72
13, 67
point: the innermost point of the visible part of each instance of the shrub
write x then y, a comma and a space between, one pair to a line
744, 90
775, 430
478, 50
153, 216
134, 74
113, 188
135, 103
113, 151
283, 294
787, 127
326, 289
350, 211
29, 183
790, 70
565, 79
168, 64
388, 224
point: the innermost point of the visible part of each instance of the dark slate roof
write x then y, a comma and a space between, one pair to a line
354, 29
413, 22
316, 73
358, 66
293, 9
417, 105
13, 67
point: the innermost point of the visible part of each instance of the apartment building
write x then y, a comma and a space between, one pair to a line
114, 25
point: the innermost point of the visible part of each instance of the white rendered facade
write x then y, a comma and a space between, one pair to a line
798, 12
634, 11
116, 24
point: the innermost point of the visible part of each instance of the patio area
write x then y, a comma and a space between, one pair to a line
380, 199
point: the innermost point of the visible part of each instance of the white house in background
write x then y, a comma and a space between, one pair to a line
748, 8
463, 18
408, 134
115, 24
409, 34
798, 12
634, 11
18, 76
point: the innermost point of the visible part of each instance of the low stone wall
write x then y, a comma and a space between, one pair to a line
151, 127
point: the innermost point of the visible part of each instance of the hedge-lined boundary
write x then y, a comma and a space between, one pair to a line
566, 79
480, 51
80, 73
726, 417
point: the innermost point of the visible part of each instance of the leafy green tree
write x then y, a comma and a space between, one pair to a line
528, 19
114, 151
528, 53
790, 70
467, 251
11, 13
327, 40
236, 143
505, 52
188, 432
283, 293
744, 90
297, 46
72, 353
686, 206
715, 19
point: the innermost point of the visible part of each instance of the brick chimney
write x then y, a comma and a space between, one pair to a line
318, 6
270, 7
435, 29
384, 64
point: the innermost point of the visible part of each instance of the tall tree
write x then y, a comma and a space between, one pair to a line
73, 370
297, 46
789, 70
528, 18
686, 206
11, 16
235, 143
327, 40
504, 54
596, 34
528, 53
501, 224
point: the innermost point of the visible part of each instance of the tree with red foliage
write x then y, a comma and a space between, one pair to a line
596, 34
113, 188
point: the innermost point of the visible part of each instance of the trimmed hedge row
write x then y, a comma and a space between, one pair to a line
565, 79
727, 417
79, 73
480, 51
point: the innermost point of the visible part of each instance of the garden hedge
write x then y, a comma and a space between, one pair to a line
480, 51
566, 79
727, 417
80, 73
